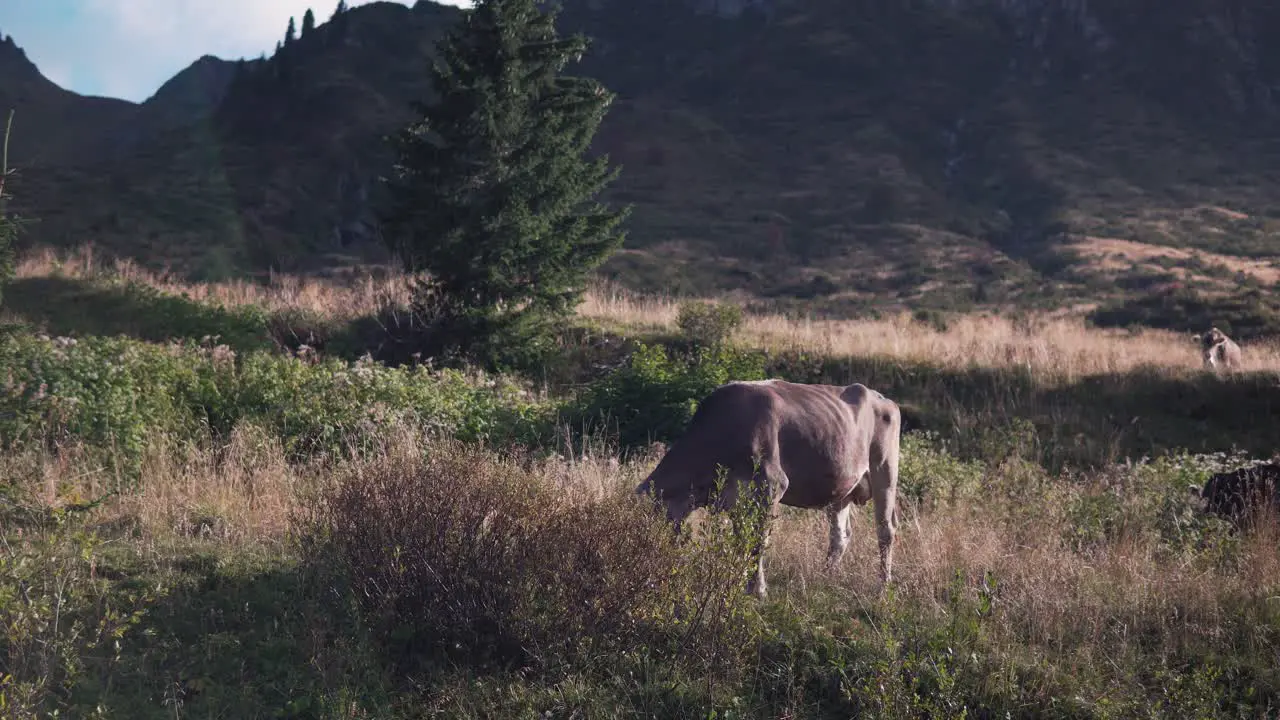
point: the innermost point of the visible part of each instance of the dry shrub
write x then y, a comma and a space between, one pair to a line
461, 552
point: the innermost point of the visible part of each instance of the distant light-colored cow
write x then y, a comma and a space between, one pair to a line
1219, 351
818, 447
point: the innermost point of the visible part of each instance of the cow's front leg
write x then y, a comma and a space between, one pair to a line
769, 495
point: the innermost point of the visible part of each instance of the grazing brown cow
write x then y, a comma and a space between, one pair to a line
1240, 495
817, 446
1219, 351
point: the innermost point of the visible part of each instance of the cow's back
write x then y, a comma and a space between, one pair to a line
1232, 494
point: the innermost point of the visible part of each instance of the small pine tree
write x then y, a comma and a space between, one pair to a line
308, 22
491, 196
342, 7
290, 33
8, 226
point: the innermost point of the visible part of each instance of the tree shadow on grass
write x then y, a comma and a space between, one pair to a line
229, 640
76, 307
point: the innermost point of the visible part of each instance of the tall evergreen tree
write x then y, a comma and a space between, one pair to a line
308, 22
491, 198
290, 33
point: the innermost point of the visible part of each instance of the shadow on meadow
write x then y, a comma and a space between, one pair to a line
1088, 422
79, 307
232, 640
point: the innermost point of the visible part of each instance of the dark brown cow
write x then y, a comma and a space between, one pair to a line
817, 446
1238, 495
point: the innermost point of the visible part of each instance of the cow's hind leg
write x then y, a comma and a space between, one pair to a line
884, 495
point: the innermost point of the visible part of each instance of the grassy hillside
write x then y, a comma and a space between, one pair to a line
847, 157
198, 517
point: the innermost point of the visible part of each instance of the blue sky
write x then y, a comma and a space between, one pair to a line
128, 48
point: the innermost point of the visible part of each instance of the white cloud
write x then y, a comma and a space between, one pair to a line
141, 43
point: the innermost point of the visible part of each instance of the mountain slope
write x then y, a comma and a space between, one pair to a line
55, 126
848, 152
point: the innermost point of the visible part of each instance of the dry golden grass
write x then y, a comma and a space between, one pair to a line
1055, 348
355, 294
242, 493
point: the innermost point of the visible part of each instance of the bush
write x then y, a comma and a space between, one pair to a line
115, 393
931, 477
706, 324
1149, 499
1248, 317
465, 555
654, 396
60, 621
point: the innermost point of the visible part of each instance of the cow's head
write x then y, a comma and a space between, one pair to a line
677, 506
1214, 495
1197, 495
1212, 337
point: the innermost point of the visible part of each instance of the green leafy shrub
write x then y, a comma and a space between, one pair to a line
655, 395
931, 477
115, 394
706, 324
110, 393
1149, 500
58, 622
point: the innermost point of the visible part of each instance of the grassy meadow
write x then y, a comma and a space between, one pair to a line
200, 517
